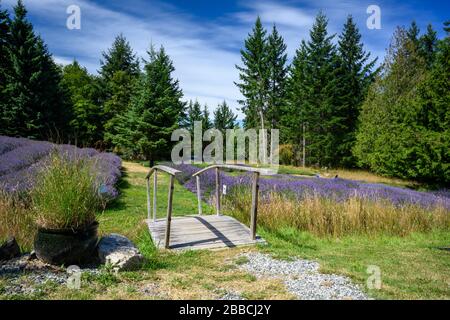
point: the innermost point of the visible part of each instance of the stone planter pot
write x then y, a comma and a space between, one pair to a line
67, 246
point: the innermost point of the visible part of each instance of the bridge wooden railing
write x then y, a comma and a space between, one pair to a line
172, 172
256, 172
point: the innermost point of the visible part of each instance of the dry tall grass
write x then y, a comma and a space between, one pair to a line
324, 217
16, 220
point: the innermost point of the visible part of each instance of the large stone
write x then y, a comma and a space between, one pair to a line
9, 249
119, 252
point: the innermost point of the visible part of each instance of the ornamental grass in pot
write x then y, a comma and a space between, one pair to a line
65, 200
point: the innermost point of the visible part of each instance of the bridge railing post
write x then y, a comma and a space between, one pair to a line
169, 213
217, 191
199, 195
149, 206
254, 209
155, 189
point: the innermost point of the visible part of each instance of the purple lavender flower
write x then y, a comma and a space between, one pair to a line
21, 158
335, 189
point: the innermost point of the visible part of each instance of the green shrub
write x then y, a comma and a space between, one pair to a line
286, 154
66, 193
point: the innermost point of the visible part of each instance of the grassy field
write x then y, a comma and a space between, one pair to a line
412, 267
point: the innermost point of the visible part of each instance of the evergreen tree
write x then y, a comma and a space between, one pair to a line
292, 121
224, 118
355, 75
119, 71
35, 102
253, 77
86, 110
447, 26
120, 57
276, 60
207, 124
413, 34
154, 112
4, 62
428, 45
387, 138
192, 113
4, 43
313, 95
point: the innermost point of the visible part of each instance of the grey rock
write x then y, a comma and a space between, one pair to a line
119, 252
9, 249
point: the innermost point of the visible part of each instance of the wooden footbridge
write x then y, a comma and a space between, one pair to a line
201, 231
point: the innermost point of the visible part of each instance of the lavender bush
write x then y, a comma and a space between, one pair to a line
338, 190
21, 159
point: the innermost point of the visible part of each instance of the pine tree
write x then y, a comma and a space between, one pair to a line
207, 124
253, 77
4, 62
447, 26
276, 60
315, 95
119, 71
224, 118
36, 103
387, 135
355, 75
292, 121
86, 110
192, 113
4, 43
413, 34
154, 112
120, 57
428, 45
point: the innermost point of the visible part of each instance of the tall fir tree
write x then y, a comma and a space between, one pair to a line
447, 26
355, 72
313, 95
35, 104
4, 62
428, 45
253, 76
292, 121
192, 113
224, 118
277, 77
4, 43
207, 123
154, 112
413, 34
119, 70
387, 135
84, 89
120, 57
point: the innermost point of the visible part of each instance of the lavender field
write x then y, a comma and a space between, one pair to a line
338, 190
21, 158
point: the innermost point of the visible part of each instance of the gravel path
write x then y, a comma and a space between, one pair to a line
26, 274
302, 278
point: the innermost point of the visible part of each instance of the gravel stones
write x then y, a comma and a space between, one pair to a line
302, 278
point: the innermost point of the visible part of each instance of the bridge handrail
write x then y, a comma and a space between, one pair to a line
172, 172
261, 171
256, 172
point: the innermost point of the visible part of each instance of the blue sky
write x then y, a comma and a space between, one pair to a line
204, 37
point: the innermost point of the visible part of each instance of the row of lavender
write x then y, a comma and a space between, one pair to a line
20, 158
334, 189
